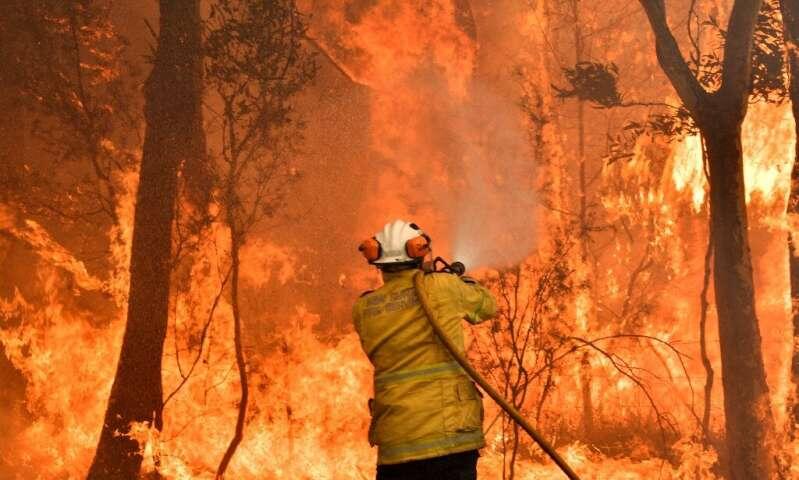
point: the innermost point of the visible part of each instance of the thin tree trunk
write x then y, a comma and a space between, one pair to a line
709, 373
585, 372
241, 362
790, 15
704, 305
793, 262
173, 135
748, 418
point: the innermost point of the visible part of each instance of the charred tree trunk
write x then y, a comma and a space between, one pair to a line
174, 134
748, 418
790, 16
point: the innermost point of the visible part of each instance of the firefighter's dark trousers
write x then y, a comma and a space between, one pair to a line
458, 466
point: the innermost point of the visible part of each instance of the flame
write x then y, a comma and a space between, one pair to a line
38, 239
448, 147
767, 134
688, 173
64, 357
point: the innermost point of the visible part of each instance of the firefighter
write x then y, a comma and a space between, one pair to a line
427, 415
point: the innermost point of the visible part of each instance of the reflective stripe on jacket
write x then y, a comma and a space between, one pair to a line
425, 405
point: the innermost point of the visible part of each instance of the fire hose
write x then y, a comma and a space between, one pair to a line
491, 391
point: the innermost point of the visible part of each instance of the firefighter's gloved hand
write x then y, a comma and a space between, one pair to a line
477, 301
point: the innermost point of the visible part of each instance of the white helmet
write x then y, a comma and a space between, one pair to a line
399, 242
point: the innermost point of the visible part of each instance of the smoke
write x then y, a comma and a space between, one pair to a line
448, 144
463, 169
493, 210
471, 133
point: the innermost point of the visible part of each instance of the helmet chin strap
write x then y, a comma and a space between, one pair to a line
398, 267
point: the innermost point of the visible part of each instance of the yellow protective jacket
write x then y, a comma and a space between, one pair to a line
424, 404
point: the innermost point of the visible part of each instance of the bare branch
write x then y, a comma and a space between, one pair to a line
671, 59
627, 370
203, 334
333, 61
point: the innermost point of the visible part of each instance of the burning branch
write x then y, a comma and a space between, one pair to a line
338, 66
185, 377
522, 337
80, 103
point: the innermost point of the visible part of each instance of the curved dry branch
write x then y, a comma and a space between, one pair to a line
203, 334
627, 370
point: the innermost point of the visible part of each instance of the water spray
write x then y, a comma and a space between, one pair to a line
458, 268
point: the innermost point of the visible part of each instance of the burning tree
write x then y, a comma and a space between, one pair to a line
611, 209
718, 115
68, 90
256, 64
582, 321
67, 135
790, 18
174, 136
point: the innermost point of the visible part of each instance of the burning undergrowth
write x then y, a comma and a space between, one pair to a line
598, 333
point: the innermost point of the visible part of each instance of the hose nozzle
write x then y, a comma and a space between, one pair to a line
456, 268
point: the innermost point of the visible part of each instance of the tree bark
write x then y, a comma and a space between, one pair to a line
748, 418
174, 135
747, 408
790, 16
704, 306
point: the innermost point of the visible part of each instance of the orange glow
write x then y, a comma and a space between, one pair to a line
438, 129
